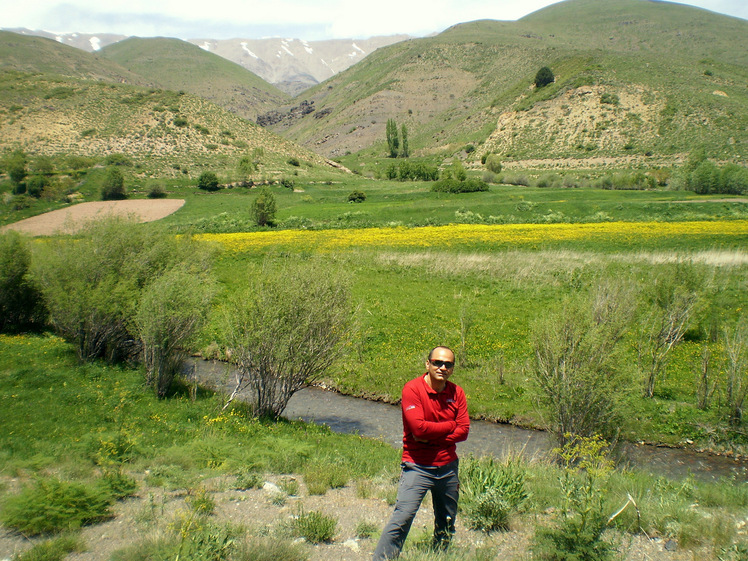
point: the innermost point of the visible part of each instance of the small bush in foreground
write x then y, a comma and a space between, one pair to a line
52, 505
315, 527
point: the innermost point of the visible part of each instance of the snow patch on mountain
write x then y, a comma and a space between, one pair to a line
95, 43
246, 49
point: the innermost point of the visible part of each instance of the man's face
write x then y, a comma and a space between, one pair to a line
440, 366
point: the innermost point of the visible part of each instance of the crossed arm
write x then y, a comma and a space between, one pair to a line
444, 432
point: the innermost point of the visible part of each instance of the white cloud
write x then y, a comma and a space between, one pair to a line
297, 18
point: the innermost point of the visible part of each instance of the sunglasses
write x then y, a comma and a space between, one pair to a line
445, 363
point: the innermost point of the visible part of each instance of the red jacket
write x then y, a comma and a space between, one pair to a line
441, 418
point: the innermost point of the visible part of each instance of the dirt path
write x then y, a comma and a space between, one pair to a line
71, 219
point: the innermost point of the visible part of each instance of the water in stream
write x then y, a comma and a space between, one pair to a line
352, 415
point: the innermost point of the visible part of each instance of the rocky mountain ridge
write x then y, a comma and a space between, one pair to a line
292, 65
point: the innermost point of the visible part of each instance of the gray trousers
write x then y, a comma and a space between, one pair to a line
415, 482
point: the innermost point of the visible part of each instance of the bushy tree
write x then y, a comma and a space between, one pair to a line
286, 330
15, 166
576, 368
208, 181
493, 163
92, 283
113, 186
170, 313
21, 303
264, 208
544, 77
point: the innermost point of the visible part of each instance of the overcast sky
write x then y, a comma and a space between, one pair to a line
254, 19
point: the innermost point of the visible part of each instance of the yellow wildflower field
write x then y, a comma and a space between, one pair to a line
455, 235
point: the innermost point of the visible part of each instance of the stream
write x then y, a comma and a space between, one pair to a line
383, 421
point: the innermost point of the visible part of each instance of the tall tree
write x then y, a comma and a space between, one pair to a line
393, 140
404, 133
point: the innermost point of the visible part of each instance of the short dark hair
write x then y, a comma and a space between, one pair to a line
431, 352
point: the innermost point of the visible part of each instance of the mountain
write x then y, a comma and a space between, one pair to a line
293, 65
633, 78
39, 55
57, 100
180, 66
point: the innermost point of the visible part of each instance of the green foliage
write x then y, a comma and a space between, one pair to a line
246, 166
543, 77
578, 535
491, 491
321, 476
576, 368
156, 192
21, 305
315, 527
92, 284
493, 163
293, 161
356, 197
113, 186
118, 159
52, 505
393, 140
412, 171
54, 549
609, 98
449, 185
264, 208
405, 153
277, 356
366, 529
208, 181
170, 313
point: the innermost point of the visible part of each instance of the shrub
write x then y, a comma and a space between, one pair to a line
575, 369
113, 187
276, 357
170, 313
35, 185
117, 160
180, 122
609, 98
288, 183
455, 186
491, 492
156, 192
52, 505
315, 527
319, 477
21, 303
356, 197
15, 166
292, 161
263, 208
92, 284
208, 181
493, 163
55, 549
544, 77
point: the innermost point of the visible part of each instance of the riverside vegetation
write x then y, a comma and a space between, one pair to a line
580, 245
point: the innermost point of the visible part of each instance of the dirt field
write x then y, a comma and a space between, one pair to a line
69, 220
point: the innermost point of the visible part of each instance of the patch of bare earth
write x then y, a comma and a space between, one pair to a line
70, 220
153, 511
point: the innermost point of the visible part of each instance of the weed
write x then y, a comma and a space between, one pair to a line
54, 549
289, 485
52, 505
366, 529
315, 527
269, 549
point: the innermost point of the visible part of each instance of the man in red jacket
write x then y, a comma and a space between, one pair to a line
435, 418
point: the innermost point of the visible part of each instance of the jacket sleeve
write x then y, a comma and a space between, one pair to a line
413, 419
462, 420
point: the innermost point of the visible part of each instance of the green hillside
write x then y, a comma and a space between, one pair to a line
634, 80
180, 66
37, 55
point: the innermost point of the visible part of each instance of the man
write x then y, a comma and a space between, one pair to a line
435, 418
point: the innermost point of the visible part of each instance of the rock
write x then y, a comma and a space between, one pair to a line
352, 545
671, 545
